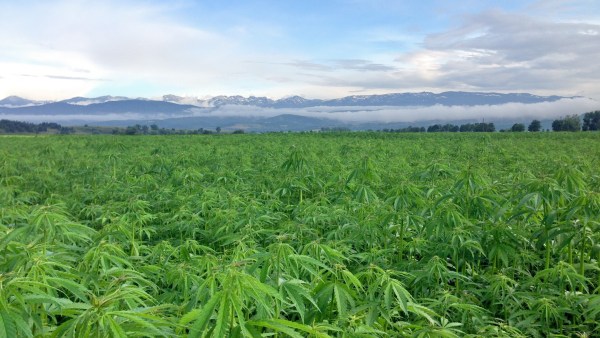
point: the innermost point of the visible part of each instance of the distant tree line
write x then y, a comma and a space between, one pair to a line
334, 129
591, 122
568, 123
153, 129
409, 129
8, 126
448, 127
468, 127
477, 127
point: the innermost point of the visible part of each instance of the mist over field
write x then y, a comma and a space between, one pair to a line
544, 110
345, 114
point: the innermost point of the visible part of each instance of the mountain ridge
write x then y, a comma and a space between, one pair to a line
141, 106
14, 101
448, 98
294, 112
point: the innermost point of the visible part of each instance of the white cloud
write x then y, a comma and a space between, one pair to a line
517, 111
109, 40
519, 53
384, 114
490, 51
59, 49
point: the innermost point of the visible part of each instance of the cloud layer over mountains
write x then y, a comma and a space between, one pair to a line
390, 108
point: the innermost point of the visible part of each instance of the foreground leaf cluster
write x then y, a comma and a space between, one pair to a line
300, 235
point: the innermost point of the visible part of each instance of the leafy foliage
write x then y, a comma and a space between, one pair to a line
318, 235
567, 123
535, 126
591, 120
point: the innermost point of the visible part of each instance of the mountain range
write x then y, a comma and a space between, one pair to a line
396, 99
252, 113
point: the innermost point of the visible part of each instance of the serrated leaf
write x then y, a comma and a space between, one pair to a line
190, 316
279, 323
76, 289
395, 290
276, 326
308, 261
204, 316
8, 328
350, 279
115, 328
141, 319
296, 292
343, 299
222, 317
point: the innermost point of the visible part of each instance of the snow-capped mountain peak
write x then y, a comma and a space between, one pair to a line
84, 101
16, 102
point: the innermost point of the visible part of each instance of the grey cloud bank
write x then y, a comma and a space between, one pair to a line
388, 114
507, 51
355, 114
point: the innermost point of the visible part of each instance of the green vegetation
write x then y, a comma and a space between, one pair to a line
155, 130
301, 235
568, 123
591, 121
535, 126
18, 127
12, 127
467, 127
517, 127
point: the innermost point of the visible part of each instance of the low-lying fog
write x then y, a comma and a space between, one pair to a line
382, 114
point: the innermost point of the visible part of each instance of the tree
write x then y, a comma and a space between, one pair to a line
478, 127
517, 127
443, 128
218, 129
8, 126
568, 123
591, 121
131, 130
451, 128
557, 125
66, 130
535, 126
434, 128
572, 123
466, 127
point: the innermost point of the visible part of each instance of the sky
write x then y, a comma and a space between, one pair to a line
52, 50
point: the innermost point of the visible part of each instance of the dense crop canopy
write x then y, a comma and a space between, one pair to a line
300, 235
